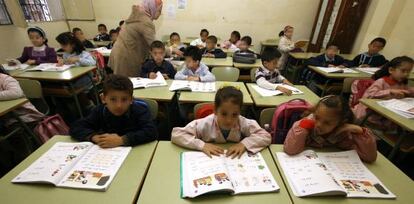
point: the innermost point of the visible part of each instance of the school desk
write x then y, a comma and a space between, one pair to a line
272, 101
229, 52
10, 105
217, 62
269, 43
406, 125
123, 189
160, 93
199, 97
394, 179
162, 184
307, 55
257, 64
67, 77
100, 43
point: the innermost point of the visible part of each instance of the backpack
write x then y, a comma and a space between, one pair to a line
51, 126
358, 89
244, 57
204, 111
284, 116
99, 73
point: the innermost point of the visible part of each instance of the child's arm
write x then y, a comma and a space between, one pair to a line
145, 131
145, 70
219, 54
316, 61
181, 75
377, 90
86, 59
256, 137
84, 129
171, 71
285, 81
262, 82
285, 45
207, 77
295, 141
11, 89
187, 136
25, 56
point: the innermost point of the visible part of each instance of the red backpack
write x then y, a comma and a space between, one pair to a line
284, 116
358, 89
99, 74
204, 111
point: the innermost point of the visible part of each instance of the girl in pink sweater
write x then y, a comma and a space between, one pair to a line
330, 124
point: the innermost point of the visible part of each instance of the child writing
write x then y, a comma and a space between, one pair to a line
372, 58
391, 81
201, 42
210, 50
234, 41
114, 35
157, 63
74, 51
329, 59
40, 52
286, 45
175, 47
194, 69
120, 121
331, 124
225, 125
268, 76
102, 35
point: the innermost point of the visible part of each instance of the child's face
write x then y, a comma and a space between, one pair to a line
375, 47
289, 33
175, 39
271, 65
210, 44
203, 36
191, 63
114, 36
402, 72
79, 35
233, 38
158, 55
67, 48
326, 120
243, 46
331, 52
117, 101
227, 115
102, 30
36, 39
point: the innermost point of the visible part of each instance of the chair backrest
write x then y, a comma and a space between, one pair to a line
253, 74
33, 91
226, 73
266, 116
202, 110
152, 105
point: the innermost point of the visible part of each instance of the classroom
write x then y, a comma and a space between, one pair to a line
184, 101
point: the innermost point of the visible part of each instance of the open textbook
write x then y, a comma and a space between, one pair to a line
103, 50
403, 107
50, 67
194, 86
268, 92
337, 70
139, 82
16, 65
369, 70
75, 165
201, 174
334, 173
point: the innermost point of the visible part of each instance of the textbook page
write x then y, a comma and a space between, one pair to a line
403, 107
51, 67
337, 70
139, 82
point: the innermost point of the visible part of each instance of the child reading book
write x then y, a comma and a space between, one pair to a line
194, 69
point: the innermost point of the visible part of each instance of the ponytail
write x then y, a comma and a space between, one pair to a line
396, 62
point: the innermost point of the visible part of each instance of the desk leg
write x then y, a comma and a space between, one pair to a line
75, 97
325, 86
397, 144
95, 90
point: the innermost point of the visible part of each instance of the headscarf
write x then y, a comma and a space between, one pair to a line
151, 7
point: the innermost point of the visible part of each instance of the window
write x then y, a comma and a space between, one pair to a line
4, 15
42, 10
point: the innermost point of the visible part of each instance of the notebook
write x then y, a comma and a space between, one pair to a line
17, 65
75, 165
201, 174
267, 92
368, 70
403, 107
334, 173
139, 82
194, 86
337, 70
50, 67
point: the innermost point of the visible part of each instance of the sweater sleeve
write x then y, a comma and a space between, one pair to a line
256, 137
146, 132
376, 90
262, 82
220, 54
187, 136
25, 55
208, 77
180, 75
85, 128
285, 45
11, 89
295, 141
86, 59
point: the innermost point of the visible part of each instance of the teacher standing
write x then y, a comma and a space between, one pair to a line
133, 44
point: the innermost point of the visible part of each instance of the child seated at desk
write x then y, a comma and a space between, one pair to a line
391, 81
232, 43
78, 33
201, 42
329, 59
40, 52
114, 35
174, 45
102, 35
244, 46
372, 58
210, 50
268, 76
120, 121
194, 69
224, 125
157, 63
330, 123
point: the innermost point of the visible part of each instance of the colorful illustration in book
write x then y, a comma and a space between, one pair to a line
266, 180
70, 157
221, 177
80, 147
361, 186
206, 181
85, 177
311, 156
241, 168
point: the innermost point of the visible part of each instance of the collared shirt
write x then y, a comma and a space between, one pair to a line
268, 79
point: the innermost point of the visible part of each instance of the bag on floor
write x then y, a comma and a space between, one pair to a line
51, 126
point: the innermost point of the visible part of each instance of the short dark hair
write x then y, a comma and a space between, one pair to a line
228, 93
74, 30
204, 31
157, 44
121, 23
380, 40
212, 38
68, 38
237, 34
118, 83
247, 39
174, 33
396, 62
113, 31
331, 45
193, 52
269, 54
102, 25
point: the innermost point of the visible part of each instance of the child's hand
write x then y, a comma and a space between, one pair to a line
108, 140
72, 60
11, 63
350, 128
341, 66
178, 52
193, 78
31, 62
60, 62
165, 76
399, 93
152, 75
331, 65
236, 150
210, 149
284, 90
